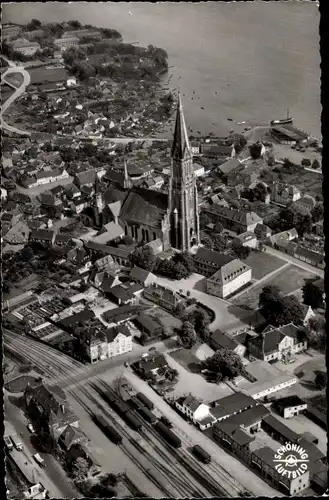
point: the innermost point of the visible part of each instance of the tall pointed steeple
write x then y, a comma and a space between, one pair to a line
180, 148
183, 195
127, 183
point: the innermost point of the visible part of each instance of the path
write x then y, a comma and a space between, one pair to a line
295, 262
264, 278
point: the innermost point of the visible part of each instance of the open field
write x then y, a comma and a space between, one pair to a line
263, 264
194, 383
282, 151
290, 279
43, 75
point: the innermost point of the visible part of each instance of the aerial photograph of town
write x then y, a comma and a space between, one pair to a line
162, 242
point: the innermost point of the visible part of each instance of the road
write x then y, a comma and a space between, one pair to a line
19, 91
295, 262
224, 319
53, 478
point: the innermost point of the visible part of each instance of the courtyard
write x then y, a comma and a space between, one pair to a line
186, 363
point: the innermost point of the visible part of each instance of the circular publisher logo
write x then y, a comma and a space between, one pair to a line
291, 460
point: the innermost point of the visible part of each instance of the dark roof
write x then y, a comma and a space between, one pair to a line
281, 429
319, 283
230, 165
314, 453
107, 250
145, 207
62, 238
246, 218
309, 254
238, 435
86, 177
152, 361
211, 257
52, 402
115, 177
80, 317
113, 194
107, 283
121, 313
250, 416
289, 401
266, 454
112, 333
223, 341
139, 274
119, 292
231, 404
42, 234
147, 323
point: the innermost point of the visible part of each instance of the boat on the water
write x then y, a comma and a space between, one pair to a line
284, 121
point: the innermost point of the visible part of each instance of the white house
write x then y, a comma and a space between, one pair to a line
198, 169
71, 82
193, 408
228, 279
116, 341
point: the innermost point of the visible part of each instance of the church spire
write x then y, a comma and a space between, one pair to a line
180, 148
127, 184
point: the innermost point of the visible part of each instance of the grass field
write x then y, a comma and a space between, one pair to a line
262, 264
19, 384
290, 279
15, 79
43, 75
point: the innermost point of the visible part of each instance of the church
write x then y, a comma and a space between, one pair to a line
147, 215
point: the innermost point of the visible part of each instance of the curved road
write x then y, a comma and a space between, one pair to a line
18, 92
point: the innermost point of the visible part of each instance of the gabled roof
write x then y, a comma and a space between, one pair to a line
231, 404
233, 430
42, 234
213, 258
191, 402
230, 271
86, 177
112, 333
246, 218
223, 341
230, 165
139, 274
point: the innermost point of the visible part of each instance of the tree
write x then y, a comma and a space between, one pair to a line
320, 380
224, 364
291, 311
80, 469
34, 24
317, 212
269, 297
260, 192
255, 150
304, 224
316, 334
315, 164
74, 24
200, 319
186, 259
207, 241
306, 162
220, 242
312, 295
143, 257
187, 336
239, 250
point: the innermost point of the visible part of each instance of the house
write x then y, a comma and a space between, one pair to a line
49, 200
124, 294
231, 405
151, 330
65, 42
25, 47
305, 204
311, 257
230, 166
234, 220
62, 240
35, 492
290, 406
233, 437
105, 281
151, 364
71, 437
283, 194
142, 276
229, 279
216, 151
265, 379
85, 178
44, 177
164, 297
108, 343
247, 239
122, 314
263, 460
50, 408
262, 231
219, 340
277, 343
288, 235
207, 262
119, 255
18, 234
10, 30
195, 147
193, 408
43, 236
245, 176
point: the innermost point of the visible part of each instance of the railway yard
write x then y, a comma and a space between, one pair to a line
152, 456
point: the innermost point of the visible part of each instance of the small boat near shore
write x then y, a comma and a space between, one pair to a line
284, 121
